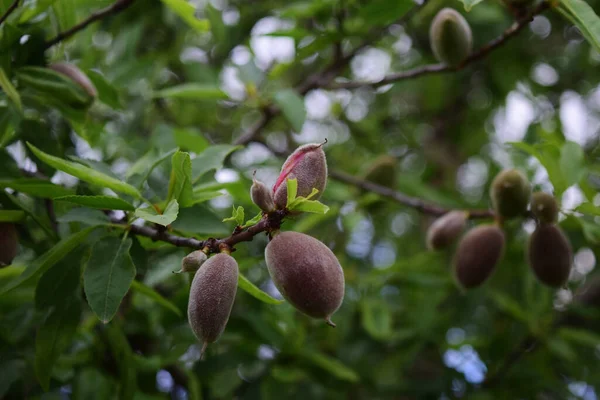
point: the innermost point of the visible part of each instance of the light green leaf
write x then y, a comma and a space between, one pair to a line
237, 215
376, 318
331, 365
211, 158
468, 4
589, 209
310, 206
180, 183
192, 91
187, 12
48, 259
12, 215
292, 191
572, 163
108, 274
86, 174
155, 296
100, 202
10, 90
292, 106
53, 337
166, 218
252, 290
201, 197
190, 139
36, 188
253, 221
582, 15
545, 155
107, 93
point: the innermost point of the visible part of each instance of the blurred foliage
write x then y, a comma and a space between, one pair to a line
177, 83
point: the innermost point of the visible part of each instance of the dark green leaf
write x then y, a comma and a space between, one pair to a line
107, 93
582, 15
12, 215
168, 216
252, 290
376, 318
155, 296
36, 188
331, 365
100, 202
59, 283
122, 353
193, 91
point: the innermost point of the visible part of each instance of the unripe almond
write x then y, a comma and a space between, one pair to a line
544, 207
550, 255
446, 229
73, 72
450, 37
477, 255
309, 166
382, 171
262, 196
211, 297
307, 274
510, 193
9, 243
193, 261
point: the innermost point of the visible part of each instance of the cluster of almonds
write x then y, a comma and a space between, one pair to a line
303, 269
549, 252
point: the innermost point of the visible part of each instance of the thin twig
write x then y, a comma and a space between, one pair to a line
116, 7
443, 68
9, 11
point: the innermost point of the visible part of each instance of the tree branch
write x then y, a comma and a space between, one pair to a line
9, 11
443, 68
116, 7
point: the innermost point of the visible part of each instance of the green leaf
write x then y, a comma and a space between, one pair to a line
292, 106
30, 210
186, 11
10, 90
155, 296
100, 202
192, 91
468, 4
252, 290
310, 206
37, 188
54, 337
107, 93
168, 216
572, 163
180, 184
122, 353
384, 11
509, 306
237, 215
253, 221
582, 15
59, 283
55, 87
86, 174
48, 259
580, 336
12, 215
376, 318
211, 158
85, 216
108, 274
545, 155
201, 197
292, 191
589, 209
331, 365
190, 139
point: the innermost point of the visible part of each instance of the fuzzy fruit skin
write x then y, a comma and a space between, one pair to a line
76, 75
550, 255
306, 272
510, 193
450, 37
193, 261
9, 243
309, 166
544, 207
446, 229
477, 255
262, 196
211, 297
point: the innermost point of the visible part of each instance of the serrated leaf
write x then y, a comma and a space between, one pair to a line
186, 11
12, 215
331, 365
292, 107
48, 259
582, 15
10, 90
168, 216
107, 277
53, 337
237, 215
36, 188
211, 158
99, 202
180, 183
155, 296
192, 91
255, 292
572, 163
84, 173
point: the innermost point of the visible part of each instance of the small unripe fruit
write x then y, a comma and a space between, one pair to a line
544, 207
477, 255
446, 229
9, 243
307, 274
309, 166
77, 75
193, 261
382, 171
262, 196
550, 255
450, 37
510, 193
211, 297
